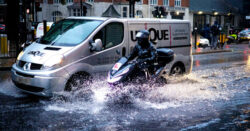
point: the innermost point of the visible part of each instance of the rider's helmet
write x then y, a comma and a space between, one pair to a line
143, 38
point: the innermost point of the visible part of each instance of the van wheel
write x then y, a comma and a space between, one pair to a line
177, 70
79, 82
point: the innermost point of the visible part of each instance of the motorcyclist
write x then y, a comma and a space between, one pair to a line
144, 49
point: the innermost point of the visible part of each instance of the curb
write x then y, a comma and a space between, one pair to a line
213, 51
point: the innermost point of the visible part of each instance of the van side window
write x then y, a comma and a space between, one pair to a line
114, 34
111, 35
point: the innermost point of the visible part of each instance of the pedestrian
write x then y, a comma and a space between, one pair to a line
215, 33
207, 32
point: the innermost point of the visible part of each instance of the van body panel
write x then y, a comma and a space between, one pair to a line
135, 26
37, 53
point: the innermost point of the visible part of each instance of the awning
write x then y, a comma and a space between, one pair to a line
111, 12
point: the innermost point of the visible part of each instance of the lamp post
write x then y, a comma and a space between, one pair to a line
81, 7
132, 8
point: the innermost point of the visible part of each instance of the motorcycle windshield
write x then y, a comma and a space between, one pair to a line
119, 63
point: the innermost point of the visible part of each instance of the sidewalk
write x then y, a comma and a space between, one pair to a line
6, 63
234, 47
199, 51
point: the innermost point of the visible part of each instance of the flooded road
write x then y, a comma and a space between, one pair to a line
216, 95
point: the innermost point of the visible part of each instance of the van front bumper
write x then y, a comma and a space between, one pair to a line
36, 83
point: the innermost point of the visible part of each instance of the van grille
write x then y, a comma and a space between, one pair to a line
33, 66
21, 63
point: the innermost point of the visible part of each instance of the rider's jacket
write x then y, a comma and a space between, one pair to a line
147, 53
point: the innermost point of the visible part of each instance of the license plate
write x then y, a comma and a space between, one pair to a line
23, 80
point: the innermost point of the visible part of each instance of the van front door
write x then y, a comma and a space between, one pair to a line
112, 36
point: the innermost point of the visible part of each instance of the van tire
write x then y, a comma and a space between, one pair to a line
78, 81
177, 69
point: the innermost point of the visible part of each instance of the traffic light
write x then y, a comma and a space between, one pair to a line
156, 12
162, 11
159, 12
38, 8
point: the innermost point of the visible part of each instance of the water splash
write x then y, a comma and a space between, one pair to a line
209, 84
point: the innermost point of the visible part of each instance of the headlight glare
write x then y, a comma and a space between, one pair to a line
20, 55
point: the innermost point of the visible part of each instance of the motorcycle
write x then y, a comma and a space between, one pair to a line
137, 72
125, 71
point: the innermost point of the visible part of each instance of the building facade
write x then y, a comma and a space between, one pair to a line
205, 12
53, 10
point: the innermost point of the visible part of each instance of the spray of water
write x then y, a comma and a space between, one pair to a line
201, 85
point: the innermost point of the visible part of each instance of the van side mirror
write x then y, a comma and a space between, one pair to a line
96, 46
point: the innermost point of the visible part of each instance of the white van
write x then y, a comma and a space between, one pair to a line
77, 47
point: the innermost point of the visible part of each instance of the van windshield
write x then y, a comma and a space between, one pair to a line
69, 32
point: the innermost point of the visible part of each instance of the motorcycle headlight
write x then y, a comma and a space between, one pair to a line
52, 61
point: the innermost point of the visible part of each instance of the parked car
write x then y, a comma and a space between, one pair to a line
204, 42
244, 35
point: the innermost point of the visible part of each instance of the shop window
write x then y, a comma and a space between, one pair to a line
56, 1
56, 15
166, 2
139, 14
91, 1
77, 12
69, 1
124, 11
153, 2
139, 2
177, 3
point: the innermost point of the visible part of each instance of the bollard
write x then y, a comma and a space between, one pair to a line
47, 29
4, 44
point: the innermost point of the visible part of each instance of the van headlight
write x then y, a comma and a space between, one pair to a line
53, 61
20, 55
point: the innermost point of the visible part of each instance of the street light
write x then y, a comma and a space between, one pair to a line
200, 12
27, 11
177, 12
195, 36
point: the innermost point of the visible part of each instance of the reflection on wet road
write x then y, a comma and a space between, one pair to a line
213, 96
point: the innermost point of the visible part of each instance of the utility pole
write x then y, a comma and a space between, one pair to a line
132, 8
81, 8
